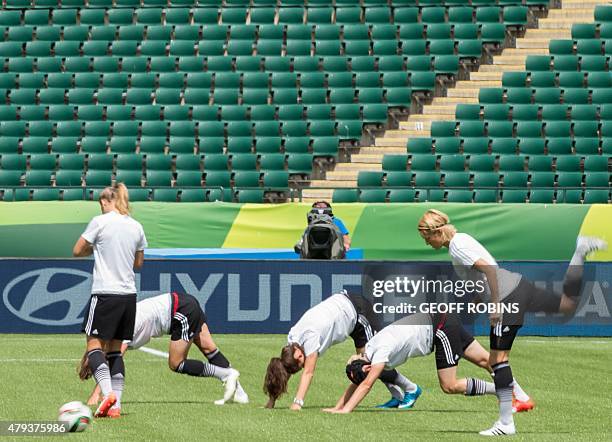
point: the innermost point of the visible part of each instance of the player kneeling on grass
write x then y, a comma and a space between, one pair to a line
180, 316
415, 336
328, 323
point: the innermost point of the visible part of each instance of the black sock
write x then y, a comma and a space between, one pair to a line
117, 372
388, 376
193, 367
217, 358
573, 281
96, 359
503, 389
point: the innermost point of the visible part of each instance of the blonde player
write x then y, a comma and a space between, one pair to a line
473, 262
117, 242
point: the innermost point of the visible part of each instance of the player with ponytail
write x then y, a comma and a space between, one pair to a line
473, 262
334, 320
117, 242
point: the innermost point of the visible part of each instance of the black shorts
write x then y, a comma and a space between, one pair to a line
187, 317
110, 317
528, 298
450, 342
368, 323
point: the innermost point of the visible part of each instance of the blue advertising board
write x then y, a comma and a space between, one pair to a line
247, 296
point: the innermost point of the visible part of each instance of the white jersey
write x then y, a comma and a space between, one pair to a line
115, 238
153, 317
465, 251
325, 324
398, 342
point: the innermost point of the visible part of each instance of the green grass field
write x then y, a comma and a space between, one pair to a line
570, 380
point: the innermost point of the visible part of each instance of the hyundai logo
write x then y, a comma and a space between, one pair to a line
28, 305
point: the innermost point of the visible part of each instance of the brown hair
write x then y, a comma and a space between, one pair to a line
119, 195
279, 371
316, 203
83, 369
436, 221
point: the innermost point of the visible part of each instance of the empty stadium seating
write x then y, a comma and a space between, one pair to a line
543, 137
187, 100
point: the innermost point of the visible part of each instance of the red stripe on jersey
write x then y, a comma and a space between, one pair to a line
174, 303
442, 321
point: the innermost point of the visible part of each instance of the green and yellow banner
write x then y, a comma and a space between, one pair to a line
383, 231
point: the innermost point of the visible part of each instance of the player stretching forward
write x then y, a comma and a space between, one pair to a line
181, 316
413, 336
117, 242
328, 323
473, 262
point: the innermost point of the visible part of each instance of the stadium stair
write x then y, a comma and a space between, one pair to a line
535, 41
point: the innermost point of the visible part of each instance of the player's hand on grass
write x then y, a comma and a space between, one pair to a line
336, 410
94, 399
295, 407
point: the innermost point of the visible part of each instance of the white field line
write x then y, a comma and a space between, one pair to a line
152, 351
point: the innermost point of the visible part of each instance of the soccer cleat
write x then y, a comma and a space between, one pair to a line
588, 244
410, 399
499, 429
520, 406
114, 412
391, 403
106, 405
231, 382
241, 397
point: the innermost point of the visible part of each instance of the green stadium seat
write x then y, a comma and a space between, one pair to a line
452, 163
569, 179
248, 178
542, 179
193, 196
129, 177
276, 179
399, 179
456, 179
583, 31
569, 196
596, 196
300, 163
514, 196
597, 179
402, 195
165, 195
459, 196
485, 196
250, 195
43, 162
490, 95
486, 179
369, 179
586, 146
345, 195
372, 195
448, 145
49, 194
76, 195
594, 163
542, 196
395, 162
427, 179
423, 162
